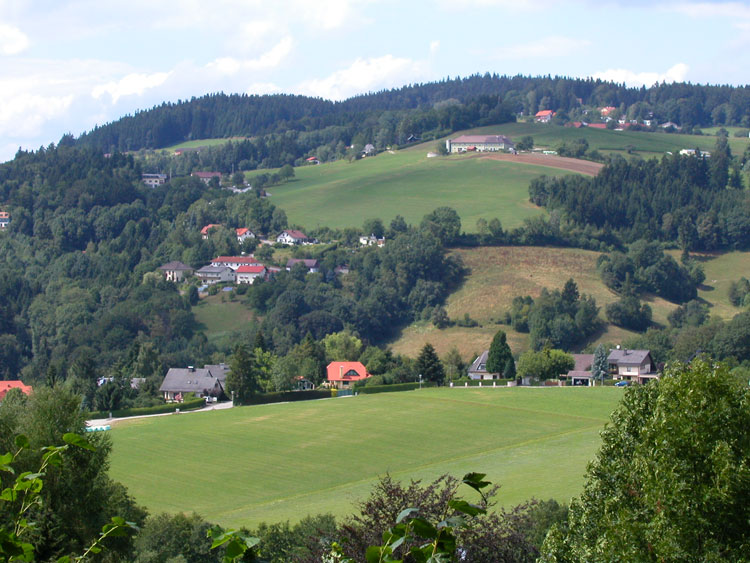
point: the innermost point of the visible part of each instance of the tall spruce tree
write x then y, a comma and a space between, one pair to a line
600, 367
499, 353
429, 365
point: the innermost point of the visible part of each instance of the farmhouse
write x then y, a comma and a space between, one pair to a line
4, 219
153, 180
478, 368
215, 274
206, 231
291, 237
544, 116
205, 177
632, 365
235, 262
248, 274
312, 265
6, 386
176, 271
206, 382
243, 234
480, 143
342, 375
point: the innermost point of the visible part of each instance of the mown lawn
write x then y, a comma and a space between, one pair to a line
276, 462
220, 317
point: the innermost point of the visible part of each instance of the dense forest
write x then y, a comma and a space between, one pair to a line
422, 110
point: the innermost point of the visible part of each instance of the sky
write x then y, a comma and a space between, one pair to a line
69, 65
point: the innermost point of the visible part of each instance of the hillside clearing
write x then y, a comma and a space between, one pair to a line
271, 463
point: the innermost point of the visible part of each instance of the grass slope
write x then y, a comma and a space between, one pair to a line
498, 274
344, 194
284, 461
220, 319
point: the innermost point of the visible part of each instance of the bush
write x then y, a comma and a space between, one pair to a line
371, 389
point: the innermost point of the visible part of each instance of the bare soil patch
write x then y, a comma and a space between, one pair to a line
553, 161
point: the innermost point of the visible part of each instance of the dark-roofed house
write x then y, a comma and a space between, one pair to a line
153, 180
206, 382
478, 368
291, 236
215, 274
632, 365
489, 143
205, 177
312, 265
581, 373
176, 271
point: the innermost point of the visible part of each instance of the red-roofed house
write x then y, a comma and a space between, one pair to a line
544, 116
597, 125
290, 237
248, 274
243, 234
605, 111
205, 177
312, 160
342, 375
205, 231
6, 386
235, 262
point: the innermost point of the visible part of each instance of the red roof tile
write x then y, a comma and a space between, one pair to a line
251, 269
6, 386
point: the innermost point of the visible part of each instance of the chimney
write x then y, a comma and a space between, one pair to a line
341, 372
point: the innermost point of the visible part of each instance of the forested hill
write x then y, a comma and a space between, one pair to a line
423, 110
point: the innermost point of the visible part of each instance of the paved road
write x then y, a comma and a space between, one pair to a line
105, 421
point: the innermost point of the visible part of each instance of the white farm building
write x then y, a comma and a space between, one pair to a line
479, 143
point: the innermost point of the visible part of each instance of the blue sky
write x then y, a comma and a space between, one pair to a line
66, 66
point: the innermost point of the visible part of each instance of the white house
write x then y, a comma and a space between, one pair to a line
312, 265
248, 274
632, 365
479, 143
371, 240
215, 274
478, 368
291, 237
176, 271
4, 219
235, 262
153, 180
205, 177
243, 234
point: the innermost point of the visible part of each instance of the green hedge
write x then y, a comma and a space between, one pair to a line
187, 405
485, 382
284, 396
370, 389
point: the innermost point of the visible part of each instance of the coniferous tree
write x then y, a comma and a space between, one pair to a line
429, 365
241, 381
499, 353
600, 367
510, 369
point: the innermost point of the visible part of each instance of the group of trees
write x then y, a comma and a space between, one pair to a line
694, 201
555, 319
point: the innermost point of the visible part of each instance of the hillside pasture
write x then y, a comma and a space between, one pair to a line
220, 318
280, 462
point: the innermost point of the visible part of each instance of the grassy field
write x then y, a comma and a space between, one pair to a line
344, 194
201, 143
276, 462
220, 319
498, 274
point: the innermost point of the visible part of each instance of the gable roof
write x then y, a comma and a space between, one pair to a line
294, 234
341, 371
193, 380
248, 260
251, 269
583, 362
629, 357
243, 231
6, 386
500, 139
204, 230
479, 365
203, 175
176, 265
308, 262
544, 113
213, 270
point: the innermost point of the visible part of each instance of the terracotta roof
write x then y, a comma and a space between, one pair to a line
242, 230
251, 269
597, 125
544, 113
203, 175
204, 230
6, 386
346, 371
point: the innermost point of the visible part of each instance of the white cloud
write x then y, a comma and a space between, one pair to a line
553, 46
131, 84
677, 73
364, 75
261, 88
12, 40
24, 116
705, 10
434, 46
268, 60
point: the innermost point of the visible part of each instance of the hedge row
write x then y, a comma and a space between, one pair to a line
187, 405
284, 396
370, 389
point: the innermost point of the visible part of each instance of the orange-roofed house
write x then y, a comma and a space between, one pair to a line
243, 233
248, 274
6, 386
342, 375
205, 231
544, 116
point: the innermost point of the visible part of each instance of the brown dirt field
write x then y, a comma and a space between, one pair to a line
553, 161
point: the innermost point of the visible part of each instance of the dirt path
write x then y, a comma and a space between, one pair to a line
553, 161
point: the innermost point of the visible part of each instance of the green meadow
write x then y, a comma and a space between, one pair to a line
344, 194
245, 465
